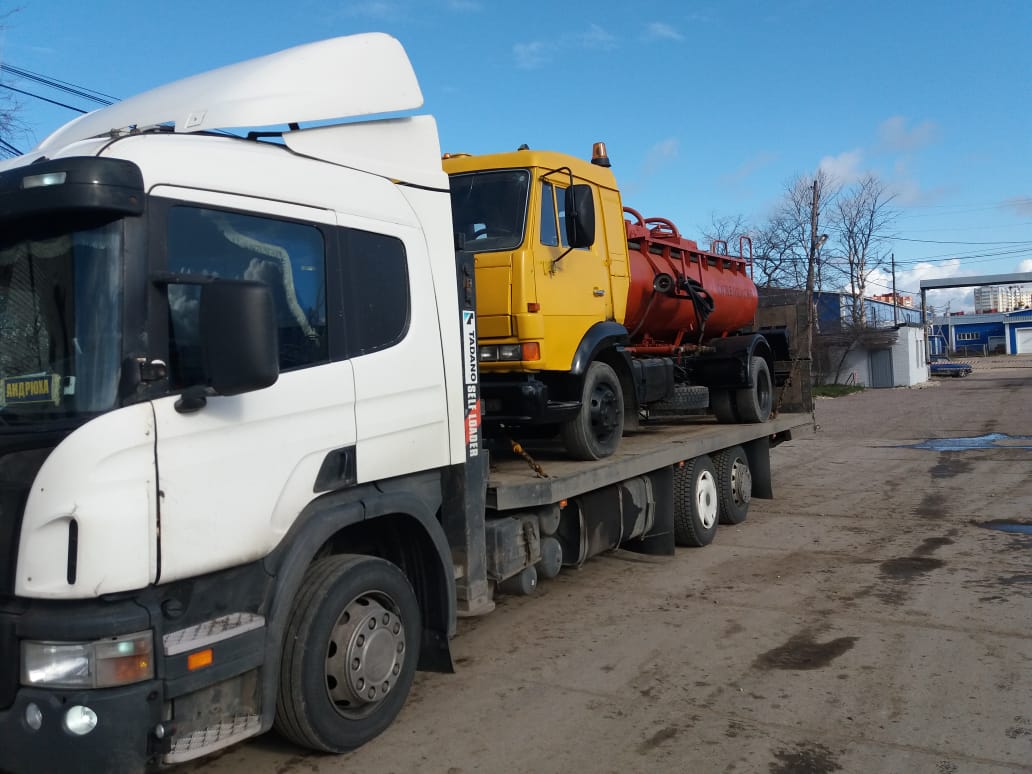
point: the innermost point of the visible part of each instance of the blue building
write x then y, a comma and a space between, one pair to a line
835, 312
1002, 332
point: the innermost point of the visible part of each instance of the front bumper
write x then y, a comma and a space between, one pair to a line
523, 400
122, 741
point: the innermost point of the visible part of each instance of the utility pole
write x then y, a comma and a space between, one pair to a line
809, 275
895, 298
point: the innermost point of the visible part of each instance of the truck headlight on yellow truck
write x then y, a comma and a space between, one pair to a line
98, 664
493, 353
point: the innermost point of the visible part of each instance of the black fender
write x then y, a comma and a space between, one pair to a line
728, 365
411, 497
599, 337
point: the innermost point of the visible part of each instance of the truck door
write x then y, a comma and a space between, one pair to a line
234, 474
578, 284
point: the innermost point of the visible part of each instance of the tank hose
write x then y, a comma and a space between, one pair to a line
701, 300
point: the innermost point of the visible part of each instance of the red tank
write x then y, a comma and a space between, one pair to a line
680, 295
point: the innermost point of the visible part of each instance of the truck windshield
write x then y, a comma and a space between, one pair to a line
60, 322
489, 209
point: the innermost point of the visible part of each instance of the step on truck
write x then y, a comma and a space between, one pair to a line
243, 478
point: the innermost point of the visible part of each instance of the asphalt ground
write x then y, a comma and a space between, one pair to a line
875, 617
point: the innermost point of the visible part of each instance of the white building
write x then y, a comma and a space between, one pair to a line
1002, 298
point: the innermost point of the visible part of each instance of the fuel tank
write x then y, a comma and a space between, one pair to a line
680, 295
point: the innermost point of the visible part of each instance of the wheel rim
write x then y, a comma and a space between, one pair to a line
706, 499
365, 654
741, 482
604, 412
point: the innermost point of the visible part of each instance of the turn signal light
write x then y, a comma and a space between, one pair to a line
200, 659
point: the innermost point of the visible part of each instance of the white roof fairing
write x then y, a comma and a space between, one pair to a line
345, 77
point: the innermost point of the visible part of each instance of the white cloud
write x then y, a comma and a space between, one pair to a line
908, 283
1025, 265
748, 167
530, 56
1022, 205
843, 168
896, 135
597, 37
658, 155
662, 31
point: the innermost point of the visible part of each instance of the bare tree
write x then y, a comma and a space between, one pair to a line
787, 243
725, 232
862, 219
10, 126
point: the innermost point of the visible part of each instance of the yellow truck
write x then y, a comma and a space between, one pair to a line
591, 316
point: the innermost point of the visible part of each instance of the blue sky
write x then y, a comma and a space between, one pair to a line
707, 108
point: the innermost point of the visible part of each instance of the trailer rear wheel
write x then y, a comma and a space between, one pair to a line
595, 432
755, 403
734, 482
349, 655
696, 503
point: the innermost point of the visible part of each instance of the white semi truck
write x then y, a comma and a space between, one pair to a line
242, 479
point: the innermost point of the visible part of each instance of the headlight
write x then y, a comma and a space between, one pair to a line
99, 664
488, 354
509, 352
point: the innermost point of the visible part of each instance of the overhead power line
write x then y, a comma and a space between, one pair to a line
45, 99
6, 147
53, 83
956, 242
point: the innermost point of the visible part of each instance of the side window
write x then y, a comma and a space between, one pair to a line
288, 256
376, 291
553, 202
549, 232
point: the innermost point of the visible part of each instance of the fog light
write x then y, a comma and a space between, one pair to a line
33, 716
80, 720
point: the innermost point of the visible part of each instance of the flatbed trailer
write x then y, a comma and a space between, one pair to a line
667, 485
514, 484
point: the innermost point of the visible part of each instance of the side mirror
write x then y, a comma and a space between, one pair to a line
580, 216
238, 336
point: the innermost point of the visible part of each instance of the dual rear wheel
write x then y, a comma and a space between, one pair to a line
708, 491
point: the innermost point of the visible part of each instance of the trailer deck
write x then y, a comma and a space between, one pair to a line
512, 483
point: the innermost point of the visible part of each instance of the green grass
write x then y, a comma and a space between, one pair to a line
835, 390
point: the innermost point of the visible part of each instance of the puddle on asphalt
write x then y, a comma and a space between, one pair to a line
802, 651
1017, 527
988, 441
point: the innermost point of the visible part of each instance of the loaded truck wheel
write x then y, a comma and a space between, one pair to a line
722, 405
755, 403
595, 432
349, 655
696, 503
734, 484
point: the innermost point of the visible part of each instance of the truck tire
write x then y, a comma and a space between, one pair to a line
349, 653
722, 405
696, 503
596, 430
734, 483
755, 403
687, 398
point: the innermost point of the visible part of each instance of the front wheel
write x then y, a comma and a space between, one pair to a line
696, 503
596, 430
349, 653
